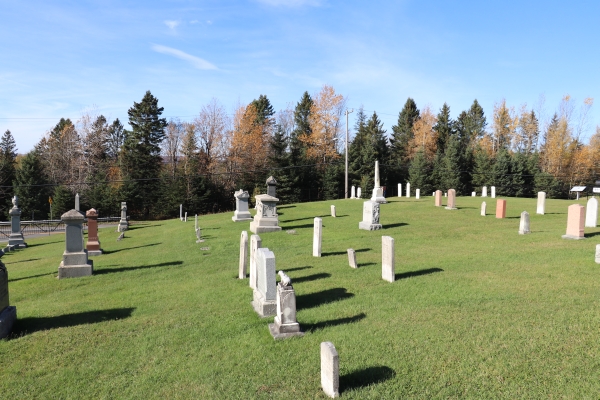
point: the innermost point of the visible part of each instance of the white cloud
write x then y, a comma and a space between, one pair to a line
291, 3
197, 62
172, 24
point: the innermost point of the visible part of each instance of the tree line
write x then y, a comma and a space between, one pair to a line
158, 164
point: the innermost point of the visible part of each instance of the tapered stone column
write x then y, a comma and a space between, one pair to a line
75, 261
16, 239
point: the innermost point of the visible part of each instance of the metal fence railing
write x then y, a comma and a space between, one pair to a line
48, 226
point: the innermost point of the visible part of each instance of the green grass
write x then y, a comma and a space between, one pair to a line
477, 310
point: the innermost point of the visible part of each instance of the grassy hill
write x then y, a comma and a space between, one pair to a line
477, 310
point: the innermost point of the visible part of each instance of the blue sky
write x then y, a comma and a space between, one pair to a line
61, 58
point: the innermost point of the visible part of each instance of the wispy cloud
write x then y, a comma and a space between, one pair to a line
172, 24
291, 3
197, 62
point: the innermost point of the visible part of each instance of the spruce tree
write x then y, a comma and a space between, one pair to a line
8, 161
287, 179
482, 169
444, 127
303, 177
419, 172
451, 166
503, 179
399, 141
32, 187
264, 110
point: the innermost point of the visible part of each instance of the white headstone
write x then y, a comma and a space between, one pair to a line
591, 213
77, 201
388, 262
185, 218
353, 192
524, 224
493, 192
377, 181
243, 255
352, 258
399, 190
330, 370
473, 194
484, 191
196, 223
417, 194
541, 203
358, 193
483, 206
597, 254
266, 291
255, 244
181, 212
333, 211
407, 189
370, 220
317, 236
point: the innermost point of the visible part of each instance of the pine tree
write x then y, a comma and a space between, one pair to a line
264, 110
402, 133
287, 190
503, 179
419, 172
302, 177
141, 156
8, 161
482, 169
444, 127
378, 141
451, 166
31, 187
63, 200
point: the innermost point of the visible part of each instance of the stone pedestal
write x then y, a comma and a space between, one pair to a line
285, 324
93, 244
451, 200
524, 224
438, 198
266, 219
501, 208
16, 239
264, 302
75, 261
378, 196
123, 224
241, 212
370, 220
575, 222
541, 203
8, 313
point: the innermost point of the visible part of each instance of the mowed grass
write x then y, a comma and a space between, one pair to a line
477, 310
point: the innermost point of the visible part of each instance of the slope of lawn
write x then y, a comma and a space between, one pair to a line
477, 310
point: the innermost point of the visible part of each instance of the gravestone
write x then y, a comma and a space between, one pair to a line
75, 261
352, 258
196, 222
501, 208
285, 324
493, 192
484, 191
333, 211
317, 236
255, 244
407, 189
353, 192
445, 194
241, 212
16, 239
93, 243
524, 224
473, 194
123, 224
378, 190
264, 302
185, 217
330, 370
8, 313
243, 255
451, 200
597, 258
591, 213
483, 207
438, 198
541, 203
358, 193
77, 201
388, 260
575, 222
181, 212
417, 194
370, 220
271, 186
266, 219
399, 190
199, 235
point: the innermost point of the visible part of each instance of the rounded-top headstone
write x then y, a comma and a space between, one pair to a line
91, 213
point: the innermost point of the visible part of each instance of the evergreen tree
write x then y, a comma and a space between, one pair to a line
303, 177
378, 141
451, 166
503, 179
141, 156
8, 161
402, 134
332, 181
444, 127
419, 172
482, 169
63, 200
355, 149
264, 110
31, 187
287, 179
545, 182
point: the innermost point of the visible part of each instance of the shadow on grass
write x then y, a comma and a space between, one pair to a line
339, 253
25, 326
333, 322
136, 226
319, 298
389, 226
302, 219
124, 269
298, 226
592, 234
32, 276
31, 259
298, 268
310, 278
43, 244
129, 248
410, 274
365, 264
365, 377
283, 207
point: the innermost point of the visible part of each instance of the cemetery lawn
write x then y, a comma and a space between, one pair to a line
476, 311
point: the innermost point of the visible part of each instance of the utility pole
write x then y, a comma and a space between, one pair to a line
346, 185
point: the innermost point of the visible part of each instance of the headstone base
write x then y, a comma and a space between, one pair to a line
122, 227
75, 271
8, 316
94, 252
378, 196
572, 237
451, 208
369, 227
254, 228
264, 308
15, 244
241, 216
284, 331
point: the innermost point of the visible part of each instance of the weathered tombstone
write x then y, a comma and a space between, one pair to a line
181, 212
483, 207
407, 189
255, 244
473, 194
524, 224
185, 217
445, 194
75, 261
417, 194
591, 213
493, 192
399, 190
370, 220
484, 191
243, 255
317, 236
93, 243
266, 219
597, 258
451, 200
438, 198
123, 224
285, 324
500, 208
196, 222
199, 235
77, 201
330, 370
575, 222
541, 203
271, 186
8, 313
264, 302
358, 193
352, 258
333, 211
353, 192
388, 260
16, 239
241, 212
378, 190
